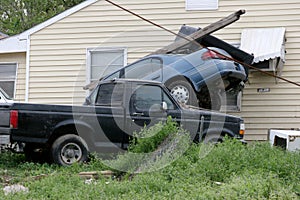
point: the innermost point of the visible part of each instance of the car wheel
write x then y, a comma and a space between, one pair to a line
183, 92
69, 149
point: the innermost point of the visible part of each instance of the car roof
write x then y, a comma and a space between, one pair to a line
124, 80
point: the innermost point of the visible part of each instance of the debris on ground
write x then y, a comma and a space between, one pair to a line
12, 189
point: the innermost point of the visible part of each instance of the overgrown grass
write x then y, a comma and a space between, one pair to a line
229, 170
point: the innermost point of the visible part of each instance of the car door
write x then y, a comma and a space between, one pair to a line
145, 107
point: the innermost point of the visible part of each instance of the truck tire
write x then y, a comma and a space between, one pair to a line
213, 138
69, 149
183, 92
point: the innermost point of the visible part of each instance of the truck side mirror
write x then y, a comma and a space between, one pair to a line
164, 106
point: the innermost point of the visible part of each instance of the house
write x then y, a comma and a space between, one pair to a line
51, 62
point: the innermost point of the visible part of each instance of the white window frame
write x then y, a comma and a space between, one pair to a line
201, 4
16, 76
101, 49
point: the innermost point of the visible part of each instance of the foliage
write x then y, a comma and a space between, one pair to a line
152, 148
229, 170
17, 16
148, 139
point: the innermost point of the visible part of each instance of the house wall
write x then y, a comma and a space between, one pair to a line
58, 52
20, 59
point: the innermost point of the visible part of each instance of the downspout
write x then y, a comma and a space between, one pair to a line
27, 69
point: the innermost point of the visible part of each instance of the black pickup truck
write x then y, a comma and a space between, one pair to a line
106, 121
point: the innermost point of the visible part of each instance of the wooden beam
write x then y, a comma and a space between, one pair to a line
201, 33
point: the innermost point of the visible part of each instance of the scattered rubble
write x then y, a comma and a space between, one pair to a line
12, 189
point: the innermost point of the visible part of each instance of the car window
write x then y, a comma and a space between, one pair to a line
110, 94
93, 96
143, 68
114, 75
147, 97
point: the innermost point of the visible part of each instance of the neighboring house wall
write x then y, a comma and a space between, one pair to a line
58, 53
20, 60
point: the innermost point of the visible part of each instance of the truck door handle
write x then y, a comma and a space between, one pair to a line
137, 114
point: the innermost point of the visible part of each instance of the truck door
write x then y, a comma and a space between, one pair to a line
110, 113
146, 107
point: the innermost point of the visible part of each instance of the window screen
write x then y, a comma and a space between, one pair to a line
202, 4
8, 77
103, 62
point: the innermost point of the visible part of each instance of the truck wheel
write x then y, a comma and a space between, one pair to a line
35, 153
183, 92
69, 149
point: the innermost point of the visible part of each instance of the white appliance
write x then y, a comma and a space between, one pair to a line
287, 139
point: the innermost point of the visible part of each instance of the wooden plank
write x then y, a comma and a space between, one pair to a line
201, 33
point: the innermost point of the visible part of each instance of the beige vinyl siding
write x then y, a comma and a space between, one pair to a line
58, 52
20, 59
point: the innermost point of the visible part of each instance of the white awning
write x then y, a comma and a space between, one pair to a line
264, 43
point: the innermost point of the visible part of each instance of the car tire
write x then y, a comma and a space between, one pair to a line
183, 92
69, 149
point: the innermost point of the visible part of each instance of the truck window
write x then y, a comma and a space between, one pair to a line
146, 97
110, 94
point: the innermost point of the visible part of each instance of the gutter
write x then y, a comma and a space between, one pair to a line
27, 69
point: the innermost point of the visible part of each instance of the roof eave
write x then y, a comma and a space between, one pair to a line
18, 43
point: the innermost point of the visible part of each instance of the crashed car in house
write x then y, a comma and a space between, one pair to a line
194, 79
194, 76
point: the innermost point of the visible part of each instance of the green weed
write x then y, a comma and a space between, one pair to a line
229, 170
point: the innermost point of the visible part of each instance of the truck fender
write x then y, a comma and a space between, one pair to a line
74, 124
77, 123
216, 131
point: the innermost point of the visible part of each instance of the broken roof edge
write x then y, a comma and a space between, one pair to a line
264, 43
17, 43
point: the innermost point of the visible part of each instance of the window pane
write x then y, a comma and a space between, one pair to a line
114, 75
105, 62
8, 72
102, 58
143, 68
110, 94
146, 96
7, 78
8, 87
168, 102
156, 64
202, 4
